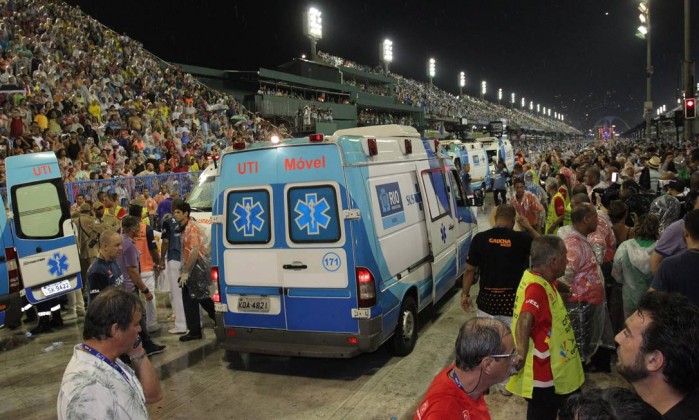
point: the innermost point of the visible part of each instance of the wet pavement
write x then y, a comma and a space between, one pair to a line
199, 380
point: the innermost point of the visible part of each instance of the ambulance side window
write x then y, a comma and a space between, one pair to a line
437, 194
248, 217
38, 210
458, 189
313, 214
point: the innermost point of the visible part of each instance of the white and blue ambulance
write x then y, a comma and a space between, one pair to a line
40, 257
331, 246
475, 156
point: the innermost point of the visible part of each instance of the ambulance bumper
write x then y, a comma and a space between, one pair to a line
300, 343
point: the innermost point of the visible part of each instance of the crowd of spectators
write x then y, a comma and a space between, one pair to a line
440, 104
307, 116
369, 117
101, 102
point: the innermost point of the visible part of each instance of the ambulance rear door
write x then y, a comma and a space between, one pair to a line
43, 235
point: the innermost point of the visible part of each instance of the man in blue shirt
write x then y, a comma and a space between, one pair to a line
171, 251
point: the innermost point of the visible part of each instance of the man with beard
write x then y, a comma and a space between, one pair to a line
659, 356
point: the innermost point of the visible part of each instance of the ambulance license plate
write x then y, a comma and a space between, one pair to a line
54, 288
258, 304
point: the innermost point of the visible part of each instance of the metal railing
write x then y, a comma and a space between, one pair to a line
128, 187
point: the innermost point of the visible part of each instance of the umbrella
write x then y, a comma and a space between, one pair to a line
239, 117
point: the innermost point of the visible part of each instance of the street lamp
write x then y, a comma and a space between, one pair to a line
387, 53
644, 33
483, 89
462, 83
313, 29
431, 69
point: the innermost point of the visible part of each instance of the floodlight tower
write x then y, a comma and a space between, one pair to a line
313, 29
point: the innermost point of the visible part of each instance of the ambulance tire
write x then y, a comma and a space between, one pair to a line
405, 336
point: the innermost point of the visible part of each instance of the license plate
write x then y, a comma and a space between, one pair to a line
54, 288
258, 304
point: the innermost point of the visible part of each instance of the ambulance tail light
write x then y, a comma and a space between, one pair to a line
373, 147
214, 279
316, 138
366, 288
13, 276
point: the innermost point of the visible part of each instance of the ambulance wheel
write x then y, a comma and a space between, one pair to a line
405, 336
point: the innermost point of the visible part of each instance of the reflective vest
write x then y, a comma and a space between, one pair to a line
551, 215
566, 365
144, 216
141, 243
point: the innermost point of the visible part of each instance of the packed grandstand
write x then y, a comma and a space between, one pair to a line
109, 108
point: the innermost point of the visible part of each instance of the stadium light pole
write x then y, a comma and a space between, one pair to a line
387, 53
431, 69
462, 83
313, 29
531, 105
644, 32
499, 95
512, 100
484, 86
524, 102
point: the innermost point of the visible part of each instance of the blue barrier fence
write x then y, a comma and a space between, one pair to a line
128, 188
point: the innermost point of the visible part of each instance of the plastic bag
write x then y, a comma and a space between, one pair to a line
668, 210
199, 282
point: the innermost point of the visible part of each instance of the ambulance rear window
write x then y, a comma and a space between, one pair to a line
313, 214
248, 217
38, 212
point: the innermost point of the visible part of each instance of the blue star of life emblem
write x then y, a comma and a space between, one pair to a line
312, 214
443, 232
248, 217
58, 264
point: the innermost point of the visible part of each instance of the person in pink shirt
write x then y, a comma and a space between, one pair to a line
526, 203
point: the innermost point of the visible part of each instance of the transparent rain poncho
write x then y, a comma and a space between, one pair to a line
667, 208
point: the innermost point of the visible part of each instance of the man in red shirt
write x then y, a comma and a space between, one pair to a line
485, 351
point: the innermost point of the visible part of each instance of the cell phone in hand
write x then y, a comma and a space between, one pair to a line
138, 342
615, 176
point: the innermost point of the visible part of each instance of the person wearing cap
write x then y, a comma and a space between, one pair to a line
109, 221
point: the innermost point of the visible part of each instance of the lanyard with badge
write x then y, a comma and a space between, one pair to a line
104, 358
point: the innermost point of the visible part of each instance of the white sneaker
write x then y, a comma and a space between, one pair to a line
176, 331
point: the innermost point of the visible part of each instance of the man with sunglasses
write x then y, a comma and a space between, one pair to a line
548, 360
485, 353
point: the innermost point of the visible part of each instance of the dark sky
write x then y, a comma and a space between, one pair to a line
578, 57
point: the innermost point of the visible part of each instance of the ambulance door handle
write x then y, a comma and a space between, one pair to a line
38, 249
295, 266
451, 226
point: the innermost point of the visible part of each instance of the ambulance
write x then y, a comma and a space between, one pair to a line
332, 246
497, 149
40, 255
202, 195
475, 156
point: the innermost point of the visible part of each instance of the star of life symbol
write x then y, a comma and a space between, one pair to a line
248, 216
443, 233
58, 264
312, 214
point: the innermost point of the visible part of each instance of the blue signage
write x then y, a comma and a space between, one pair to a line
390, 204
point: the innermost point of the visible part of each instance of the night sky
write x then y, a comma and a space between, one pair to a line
580, 57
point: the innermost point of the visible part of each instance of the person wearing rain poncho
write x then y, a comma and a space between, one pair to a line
585, 302
632, 263
195, 277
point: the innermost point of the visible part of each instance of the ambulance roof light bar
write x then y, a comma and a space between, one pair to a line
316, 138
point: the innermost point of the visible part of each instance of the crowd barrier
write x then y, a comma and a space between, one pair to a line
127, 187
